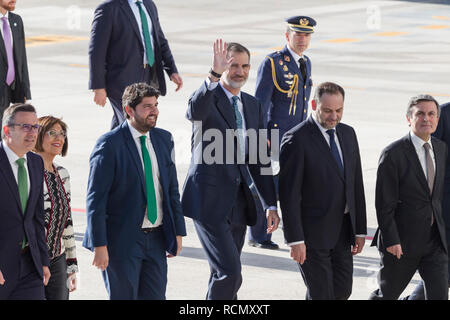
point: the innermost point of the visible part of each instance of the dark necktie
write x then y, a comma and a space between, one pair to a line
145, 30
430, 170
150, 187
334, 150
7, 39
303, 68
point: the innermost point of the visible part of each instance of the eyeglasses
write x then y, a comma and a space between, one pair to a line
55, 134
25, 126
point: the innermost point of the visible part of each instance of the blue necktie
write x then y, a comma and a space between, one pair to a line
334, 150
239, 126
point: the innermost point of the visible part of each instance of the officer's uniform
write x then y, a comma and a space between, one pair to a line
284, 91
281, 87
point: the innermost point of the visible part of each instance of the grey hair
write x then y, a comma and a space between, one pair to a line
414, 101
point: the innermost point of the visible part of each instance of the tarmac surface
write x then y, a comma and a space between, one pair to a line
381, 52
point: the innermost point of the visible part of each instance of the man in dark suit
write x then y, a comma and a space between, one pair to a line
128, 46
23, 250
14, 81
322, 196
409, 189
283, 86
225, 185
133, 203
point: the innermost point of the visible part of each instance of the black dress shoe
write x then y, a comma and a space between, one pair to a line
267, 244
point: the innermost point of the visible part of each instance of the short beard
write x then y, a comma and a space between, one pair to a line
235, 84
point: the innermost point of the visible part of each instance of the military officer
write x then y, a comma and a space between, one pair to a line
283, 84
283, 87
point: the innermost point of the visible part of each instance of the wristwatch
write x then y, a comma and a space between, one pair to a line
214, 74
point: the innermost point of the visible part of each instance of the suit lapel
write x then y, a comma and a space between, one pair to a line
439, 161
155, 139
322, 144
414, 160
251, 122
225, 108
133, 151
32, 171
291, 64
8, 176
152, 16
343, 143
15, 35
129, 13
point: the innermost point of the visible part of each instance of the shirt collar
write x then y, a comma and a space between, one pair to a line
418, 142
12, 156
229, 94
6, 15
322, 129
134, 133
294, 55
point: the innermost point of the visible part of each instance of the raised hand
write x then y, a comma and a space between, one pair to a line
220, 61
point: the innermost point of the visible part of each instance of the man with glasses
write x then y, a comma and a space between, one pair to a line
14, 81
128, 46
23, 251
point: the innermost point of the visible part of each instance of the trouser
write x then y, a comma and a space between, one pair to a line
58, 286
328, 273
223, 242
142, 274
23, 283
395, 274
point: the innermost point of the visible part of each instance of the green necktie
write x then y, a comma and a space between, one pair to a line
23, 188
145, 30
150, 187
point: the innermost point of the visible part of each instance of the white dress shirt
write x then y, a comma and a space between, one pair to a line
420, 150
155, 171
134, 7
12, 158
1, 26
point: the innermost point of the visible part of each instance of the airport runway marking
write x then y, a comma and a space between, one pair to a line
389, 34
342, 40
51, 39
435, 27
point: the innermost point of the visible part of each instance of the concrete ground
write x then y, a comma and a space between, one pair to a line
381, 52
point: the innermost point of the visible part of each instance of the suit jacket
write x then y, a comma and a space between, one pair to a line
443, 133
22, 82
210, 188
314, 192
276, 104
403, 201
14, 224
116, 199
116, 51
